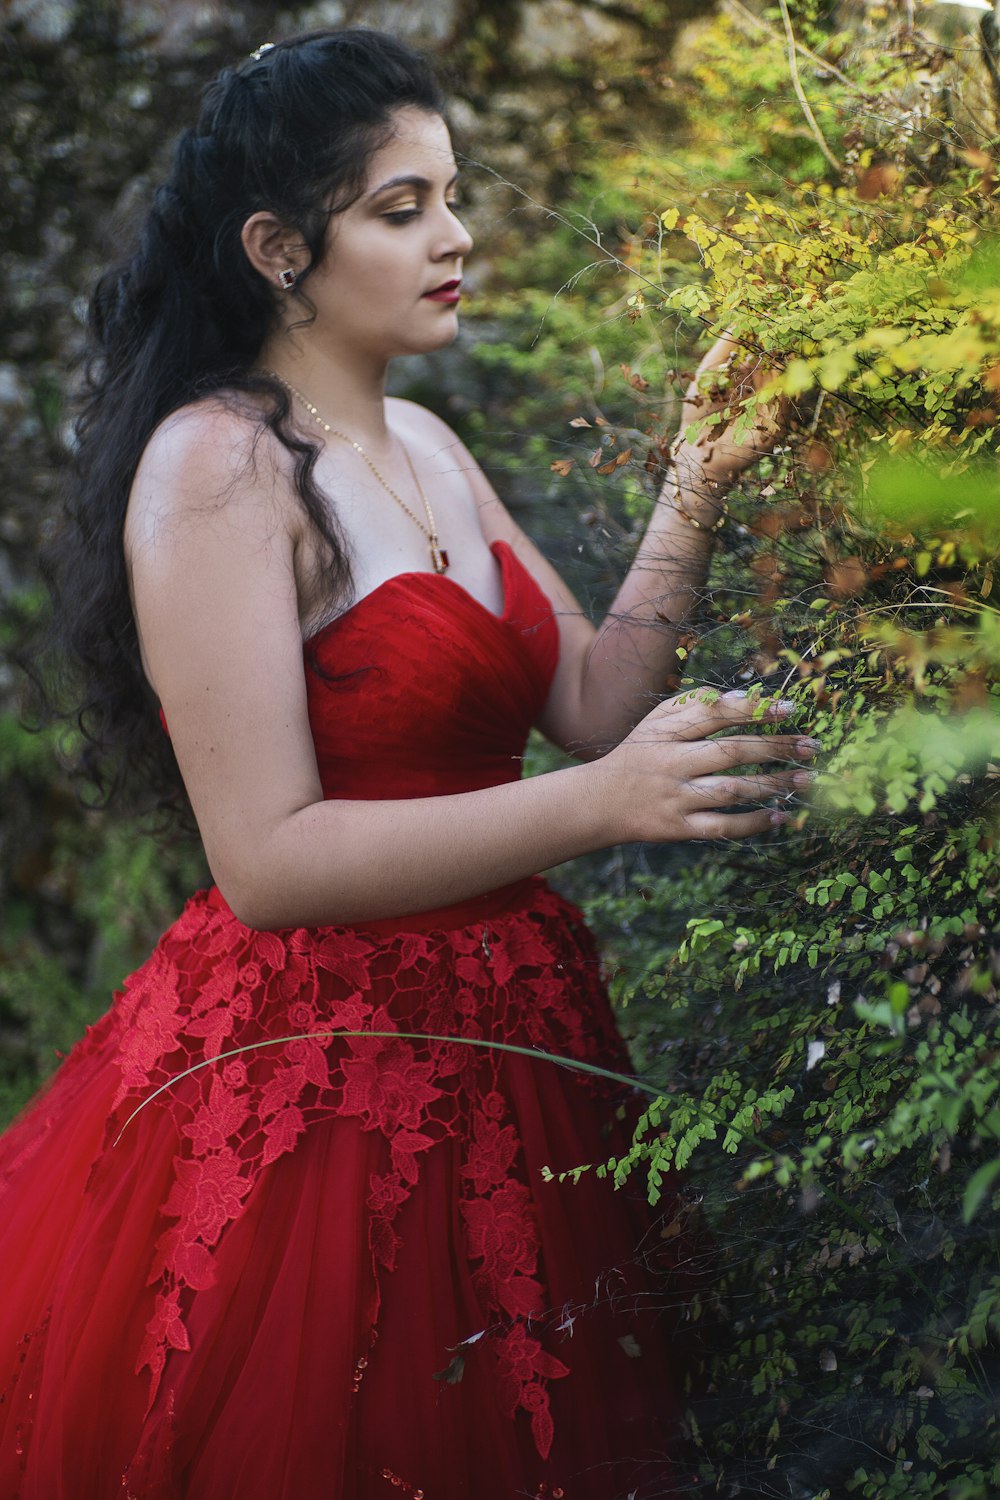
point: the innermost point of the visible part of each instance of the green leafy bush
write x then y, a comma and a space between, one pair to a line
820, 1010
84, 898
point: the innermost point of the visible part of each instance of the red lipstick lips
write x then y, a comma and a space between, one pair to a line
449, 291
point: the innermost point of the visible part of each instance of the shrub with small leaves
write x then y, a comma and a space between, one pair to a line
820, 1010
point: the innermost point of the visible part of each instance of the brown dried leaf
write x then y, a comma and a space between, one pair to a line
878, 181
818, 458
635, 381
977, 158
846, 577
986, 165
767, 523
971, 692
562, 466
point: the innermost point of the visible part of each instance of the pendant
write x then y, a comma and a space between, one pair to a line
439, 558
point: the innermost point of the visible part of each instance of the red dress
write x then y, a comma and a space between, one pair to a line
332, 1268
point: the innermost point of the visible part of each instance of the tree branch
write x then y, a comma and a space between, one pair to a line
990, 41
800, 92
739, 10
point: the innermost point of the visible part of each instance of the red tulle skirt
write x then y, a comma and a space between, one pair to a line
334, 1267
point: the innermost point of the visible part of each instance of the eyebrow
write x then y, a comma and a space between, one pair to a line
408, 179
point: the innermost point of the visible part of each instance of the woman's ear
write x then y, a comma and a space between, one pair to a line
275, 250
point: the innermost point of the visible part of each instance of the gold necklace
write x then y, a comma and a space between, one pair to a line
439, 557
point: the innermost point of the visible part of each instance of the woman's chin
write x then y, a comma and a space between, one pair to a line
446, 333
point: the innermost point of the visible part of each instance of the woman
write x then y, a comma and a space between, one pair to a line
329, 1266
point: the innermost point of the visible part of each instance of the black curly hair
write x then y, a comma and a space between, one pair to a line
181, 319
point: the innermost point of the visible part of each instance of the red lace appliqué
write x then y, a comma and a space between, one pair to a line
214, 985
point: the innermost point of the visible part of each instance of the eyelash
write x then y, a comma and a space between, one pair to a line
404, 215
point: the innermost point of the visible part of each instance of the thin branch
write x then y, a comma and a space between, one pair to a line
990, 44
800, 92
760, 24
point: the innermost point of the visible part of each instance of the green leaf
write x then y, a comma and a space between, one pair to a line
978, 1187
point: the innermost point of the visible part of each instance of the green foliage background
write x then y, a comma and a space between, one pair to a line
821, 1010
818, 1011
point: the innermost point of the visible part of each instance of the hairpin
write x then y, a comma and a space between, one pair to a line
264, 47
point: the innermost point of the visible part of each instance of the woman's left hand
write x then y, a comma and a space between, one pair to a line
725, 377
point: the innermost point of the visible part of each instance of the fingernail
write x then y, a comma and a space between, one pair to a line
807, 747
736, 693
777, 818
803, 778
781, 707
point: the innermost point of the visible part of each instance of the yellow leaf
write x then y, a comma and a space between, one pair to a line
798, 377
669, 218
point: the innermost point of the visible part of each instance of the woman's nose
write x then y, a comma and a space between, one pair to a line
456, 238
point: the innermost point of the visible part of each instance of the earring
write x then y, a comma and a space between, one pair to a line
286, 279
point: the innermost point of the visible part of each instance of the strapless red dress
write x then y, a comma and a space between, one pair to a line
332, 1268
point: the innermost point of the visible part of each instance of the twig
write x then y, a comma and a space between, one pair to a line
990, 45
800, 92
814, 57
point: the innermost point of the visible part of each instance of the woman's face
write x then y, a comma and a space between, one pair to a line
389, 281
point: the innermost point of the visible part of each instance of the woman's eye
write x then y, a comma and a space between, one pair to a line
401, 215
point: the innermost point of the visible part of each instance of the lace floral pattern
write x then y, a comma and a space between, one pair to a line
214, 985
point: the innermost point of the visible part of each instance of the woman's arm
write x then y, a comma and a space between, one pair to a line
608, 676
210, 538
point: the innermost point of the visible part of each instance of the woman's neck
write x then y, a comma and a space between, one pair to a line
350, 397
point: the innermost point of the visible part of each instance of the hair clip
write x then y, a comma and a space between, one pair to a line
264, 47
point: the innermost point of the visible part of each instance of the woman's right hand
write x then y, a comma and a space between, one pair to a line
668, 781
727, 375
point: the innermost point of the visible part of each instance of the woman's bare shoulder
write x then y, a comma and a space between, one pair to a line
207, 456
420, 421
